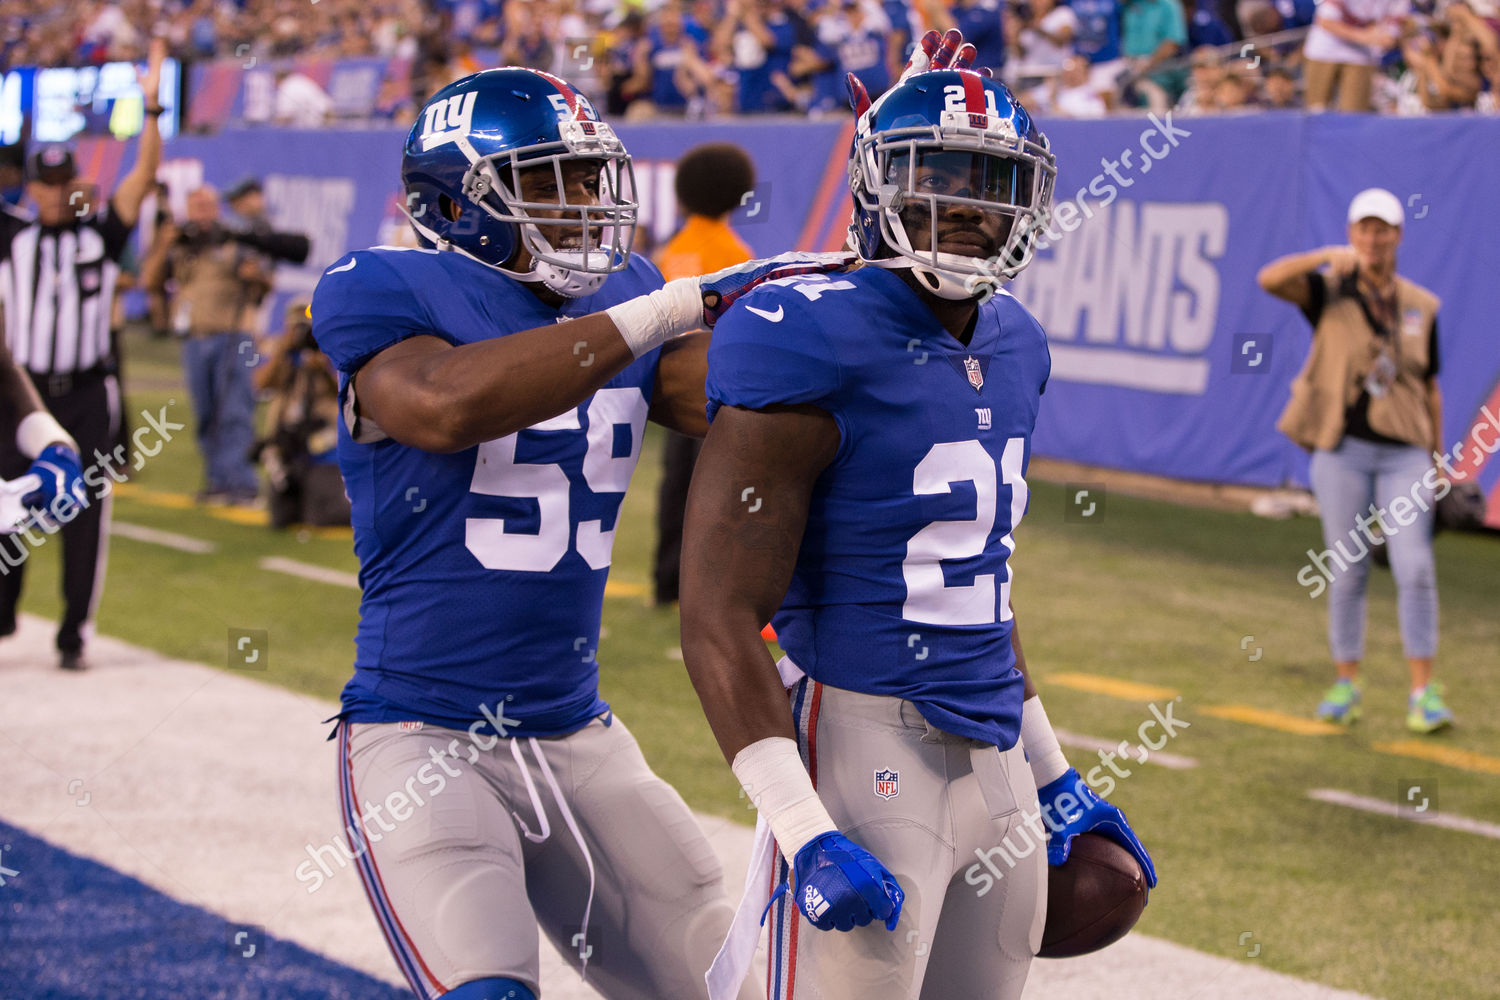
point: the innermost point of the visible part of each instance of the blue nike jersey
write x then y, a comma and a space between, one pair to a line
482, 571
902, 583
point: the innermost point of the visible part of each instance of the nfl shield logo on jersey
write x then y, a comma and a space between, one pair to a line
975, 373
887, 784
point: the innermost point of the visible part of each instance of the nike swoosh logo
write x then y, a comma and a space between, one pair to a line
347, 267
774, 317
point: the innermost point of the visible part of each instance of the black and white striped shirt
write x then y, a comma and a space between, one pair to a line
57, 286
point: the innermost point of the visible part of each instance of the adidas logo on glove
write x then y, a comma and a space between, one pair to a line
814, 903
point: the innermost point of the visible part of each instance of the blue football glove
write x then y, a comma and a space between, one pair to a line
1085, 813
839, 885
61, 474
722, 289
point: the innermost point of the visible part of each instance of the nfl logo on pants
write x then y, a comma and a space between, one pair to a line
887, 784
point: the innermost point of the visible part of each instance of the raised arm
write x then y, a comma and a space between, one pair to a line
137, 184
429, 394
1286, 277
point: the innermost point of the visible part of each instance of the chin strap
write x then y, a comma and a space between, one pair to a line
945, 286
564, 281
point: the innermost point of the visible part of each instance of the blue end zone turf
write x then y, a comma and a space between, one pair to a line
73, 929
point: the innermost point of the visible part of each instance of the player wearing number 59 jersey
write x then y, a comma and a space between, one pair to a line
863, 479
518, 529
495, 387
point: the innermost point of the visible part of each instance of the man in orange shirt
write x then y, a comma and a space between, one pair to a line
712, 181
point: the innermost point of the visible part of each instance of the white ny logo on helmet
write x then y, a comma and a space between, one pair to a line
448, 120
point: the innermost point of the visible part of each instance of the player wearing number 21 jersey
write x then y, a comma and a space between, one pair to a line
863, 479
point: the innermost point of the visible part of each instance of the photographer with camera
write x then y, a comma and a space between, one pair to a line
218, 283
247, 200
298, 448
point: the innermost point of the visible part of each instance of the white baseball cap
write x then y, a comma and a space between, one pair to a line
1377, 203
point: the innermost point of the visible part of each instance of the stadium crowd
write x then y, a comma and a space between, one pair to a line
697, 58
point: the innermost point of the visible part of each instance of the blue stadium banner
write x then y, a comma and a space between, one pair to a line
1167, 357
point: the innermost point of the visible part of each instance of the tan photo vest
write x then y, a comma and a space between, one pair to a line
1344, 351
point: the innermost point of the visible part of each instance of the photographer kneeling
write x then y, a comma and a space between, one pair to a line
298, 448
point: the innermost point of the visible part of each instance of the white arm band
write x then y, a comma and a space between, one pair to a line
37, 430
772, 774
648, 321
1040, 743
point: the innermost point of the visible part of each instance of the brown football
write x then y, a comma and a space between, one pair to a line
1093, 899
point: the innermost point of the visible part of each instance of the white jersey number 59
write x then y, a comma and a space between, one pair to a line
497, 473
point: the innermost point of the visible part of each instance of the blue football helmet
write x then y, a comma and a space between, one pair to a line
944, 141
462, 174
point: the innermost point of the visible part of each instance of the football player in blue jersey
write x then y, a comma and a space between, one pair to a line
860, 487
494, 387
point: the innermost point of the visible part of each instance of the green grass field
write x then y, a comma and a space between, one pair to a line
1150, 593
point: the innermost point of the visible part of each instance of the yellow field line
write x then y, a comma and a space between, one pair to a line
1272, 720
249, 516
1465, 760
1112, 686
235, 515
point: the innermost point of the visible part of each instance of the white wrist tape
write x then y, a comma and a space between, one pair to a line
37, 430
648, 321
1040, 743
772, 774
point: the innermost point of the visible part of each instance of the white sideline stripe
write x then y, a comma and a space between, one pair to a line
307, 571
143, 708
155, 536
1137, 753
1445, 820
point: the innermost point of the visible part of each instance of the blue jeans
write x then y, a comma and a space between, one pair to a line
1351, 482
217, 369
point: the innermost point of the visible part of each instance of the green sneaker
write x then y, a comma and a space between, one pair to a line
1341, 703
1425, 711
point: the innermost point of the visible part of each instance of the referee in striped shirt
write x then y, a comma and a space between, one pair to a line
57, 282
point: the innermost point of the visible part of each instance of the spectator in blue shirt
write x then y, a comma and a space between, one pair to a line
468, 16
1098, 35
1296, 13
1098, 40
669, 69
905, 27
1207, 26
981, 23
756, 39
857, 34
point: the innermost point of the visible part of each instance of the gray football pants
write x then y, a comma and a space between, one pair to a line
955, 820
466, 849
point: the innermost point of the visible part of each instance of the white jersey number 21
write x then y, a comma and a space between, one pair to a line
928, 597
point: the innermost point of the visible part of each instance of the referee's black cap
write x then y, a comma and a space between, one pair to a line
52, 163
